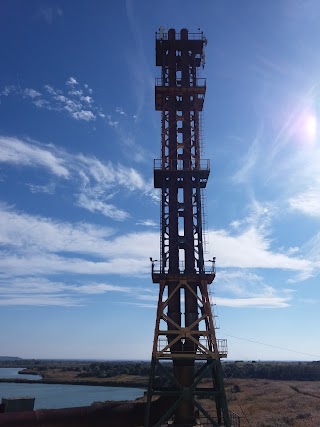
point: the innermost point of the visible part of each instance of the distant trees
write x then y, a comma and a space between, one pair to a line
300, 371
115, 368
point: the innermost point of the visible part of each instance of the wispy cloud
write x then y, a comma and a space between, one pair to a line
120, 111
249, 160
48, 189
249, 244
252, 249
254, 302
34, 247
17, 152
307, 202
93, 182
74, 99
31, 93
147, 223
37, 291
242, 288
92, 203
72, 81
138, 65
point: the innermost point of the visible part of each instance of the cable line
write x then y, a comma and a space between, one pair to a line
273, 346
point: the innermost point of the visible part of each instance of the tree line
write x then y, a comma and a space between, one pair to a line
300, 371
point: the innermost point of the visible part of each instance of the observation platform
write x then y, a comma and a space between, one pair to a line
194, 42
200, 345
181, 169
160, 274
195, 93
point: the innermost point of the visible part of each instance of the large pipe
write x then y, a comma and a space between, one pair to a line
113, 414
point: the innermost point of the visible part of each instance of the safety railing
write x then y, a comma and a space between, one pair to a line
208, 267
222, 347
199, 82
181, 347
182, 165
162, 35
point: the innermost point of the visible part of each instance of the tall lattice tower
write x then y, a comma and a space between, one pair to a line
184, 331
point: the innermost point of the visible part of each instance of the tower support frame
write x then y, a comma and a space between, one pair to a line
185, 348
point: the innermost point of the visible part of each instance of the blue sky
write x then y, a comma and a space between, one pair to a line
79, 217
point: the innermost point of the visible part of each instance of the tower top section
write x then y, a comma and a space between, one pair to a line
180, 55
194, 42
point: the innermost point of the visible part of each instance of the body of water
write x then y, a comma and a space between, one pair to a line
54, 396
13, 373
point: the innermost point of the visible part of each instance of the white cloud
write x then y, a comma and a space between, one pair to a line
251, 249
243, 288
110, 121
40, 300
131, 251
39, 291
120, 111
74, 92
72, 81
48, 189
15, 151
42, 103
75, 99
148, 223
32, 233
255, 302
96, 182
8, 90
107, 174
35, 247
100, 288
32, 93
107, 209
50, 89
83, 115
307, 202
87, 99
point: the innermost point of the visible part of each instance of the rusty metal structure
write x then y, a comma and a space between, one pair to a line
185, 349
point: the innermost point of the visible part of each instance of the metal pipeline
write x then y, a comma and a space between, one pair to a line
114, 414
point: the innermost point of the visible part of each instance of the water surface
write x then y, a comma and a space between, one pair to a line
54, 396
13, 373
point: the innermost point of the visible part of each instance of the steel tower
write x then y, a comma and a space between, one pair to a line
184, 331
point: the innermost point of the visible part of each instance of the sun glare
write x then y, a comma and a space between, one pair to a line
307, 128
311, 127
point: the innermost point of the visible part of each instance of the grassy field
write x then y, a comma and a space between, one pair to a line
275, 403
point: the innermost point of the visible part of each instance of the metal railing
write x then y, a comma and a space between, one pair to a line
222, 346
162, 35
163, 346
208, 268
182, 165
199, 82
